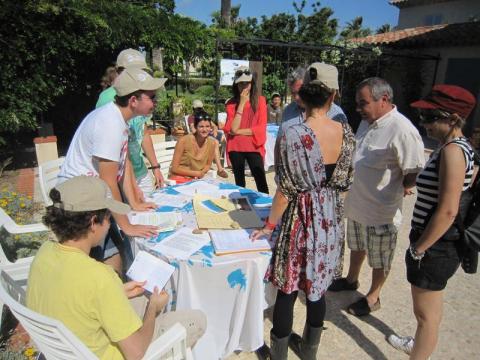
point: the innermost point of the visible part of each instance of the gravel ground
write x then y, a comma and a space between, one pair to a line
349, 337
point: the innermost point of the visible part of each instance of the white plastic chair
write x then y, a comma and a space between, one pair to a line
56, 342
47, 175
19, 269
185, 119
164, 153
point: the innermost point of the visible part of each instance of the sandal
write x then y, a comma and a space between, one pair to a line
361, 307
342, 284
222, 173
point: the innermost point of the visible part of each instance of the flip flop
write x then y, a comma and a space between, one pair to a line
361, 307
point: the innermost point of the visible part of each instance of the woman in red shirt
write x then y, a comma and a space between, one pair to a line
246, 129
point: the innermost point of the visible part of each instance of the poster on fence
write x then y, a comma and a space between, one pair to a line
227, 70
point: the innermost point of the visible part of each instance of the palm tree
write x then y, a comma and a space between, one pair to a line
225, 12
355, 29
385, 28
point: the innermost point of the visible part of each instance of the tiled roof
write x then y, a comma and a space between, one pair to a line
408, 3
422, 36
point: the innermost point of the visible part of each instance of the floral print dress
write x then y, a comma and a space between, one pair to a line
307, 242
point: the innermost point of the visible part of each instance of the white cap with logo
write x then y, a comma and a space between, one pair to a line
134, 79
130, 58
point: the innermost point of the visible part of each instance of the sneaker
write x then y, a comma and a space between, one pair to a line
342, 284
402, 343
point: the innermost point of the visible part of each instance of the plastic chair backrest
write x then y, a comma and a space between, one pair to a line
50, 336
47, 174
164, 153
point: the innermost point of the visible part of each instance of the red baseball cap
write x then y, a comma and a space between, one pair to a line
450, 98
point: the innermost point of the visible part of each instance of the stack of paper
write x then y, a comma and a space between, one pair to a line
150, 268
236, 241
182, 244
165, 221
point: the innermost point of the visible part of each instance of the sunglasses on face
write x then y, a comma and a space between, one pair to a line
430, 116
153, 97
239, 73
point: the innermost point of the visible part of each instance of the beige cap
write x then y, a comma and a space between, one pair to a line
129, 58
197, 104
134, 79
243, 74
88, 193
322, 73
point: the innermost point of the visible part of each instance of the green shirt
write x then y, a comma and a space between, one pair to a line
106, 96
135, 135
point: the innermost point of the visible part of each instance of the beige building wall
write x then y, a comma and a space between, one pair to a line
450, 11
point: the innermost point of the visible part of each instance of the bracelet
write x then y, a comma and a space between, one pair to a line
239, 113
269, 225
413, 253
154, 167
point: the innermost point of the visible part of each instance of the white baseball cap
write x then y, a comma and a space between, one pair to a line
134, 79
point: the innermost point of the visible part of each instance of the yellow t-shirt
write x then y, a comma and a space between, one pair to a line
85, 295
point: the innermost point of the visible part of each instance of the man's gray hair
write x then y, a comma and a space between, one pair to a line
297, 74
378, 87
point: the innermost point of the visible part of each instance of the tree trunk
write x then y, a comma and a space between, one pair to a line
225, 12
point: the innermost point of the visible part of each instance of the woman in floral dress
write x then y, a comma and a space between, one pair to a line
315, 166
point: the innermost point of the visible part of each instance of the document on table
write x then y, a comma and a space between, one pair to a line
182, 244
165, 221
147, 267
196, 187
176, 201
236, 241
237, 213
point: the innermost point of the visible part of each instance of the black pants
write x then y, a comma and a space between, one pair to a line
255, 163
283, 313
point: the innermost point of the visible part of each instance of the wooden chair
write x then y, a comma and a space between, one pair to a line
47, 174
56, 342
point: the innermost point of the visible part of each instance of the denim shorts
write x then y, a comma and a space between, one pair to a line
438, 265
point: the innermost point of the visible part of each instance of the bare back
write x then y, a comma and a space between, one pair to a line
329, 134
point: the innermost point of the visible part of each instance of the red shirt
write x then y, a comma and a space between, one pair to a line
256, 121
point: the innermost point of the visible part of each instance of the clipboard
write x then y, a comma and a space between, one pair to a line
239, 213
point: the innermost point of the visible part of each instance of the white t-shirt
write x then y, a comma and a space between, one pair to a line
103, 134
386, 151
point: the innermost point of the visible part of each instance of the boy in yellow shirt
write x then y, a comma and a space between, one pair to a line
87, 295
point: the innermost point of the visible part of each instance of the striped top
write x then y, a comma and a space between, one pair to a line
428, 185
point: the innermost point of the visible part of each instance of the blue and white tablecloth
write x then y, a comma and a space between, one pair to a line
229, 289
272, 132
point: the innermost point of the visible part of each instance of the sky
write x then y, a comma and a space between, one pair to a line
374, 12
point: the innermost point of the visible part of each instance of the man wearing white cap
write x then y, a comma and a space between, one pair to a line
99, 146
138, 180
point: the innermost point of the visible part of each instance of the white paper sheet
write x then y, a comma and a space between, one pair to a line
182, 244
165, 221
177, 201
196, 187
232, 241
147, 267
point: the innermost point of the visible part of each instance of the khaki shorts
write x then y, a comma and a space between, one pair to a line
194, 321
379, 241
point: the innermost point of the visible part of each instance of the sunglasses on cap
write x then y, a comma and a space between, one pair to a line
203, 117
239, 73
431, 115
